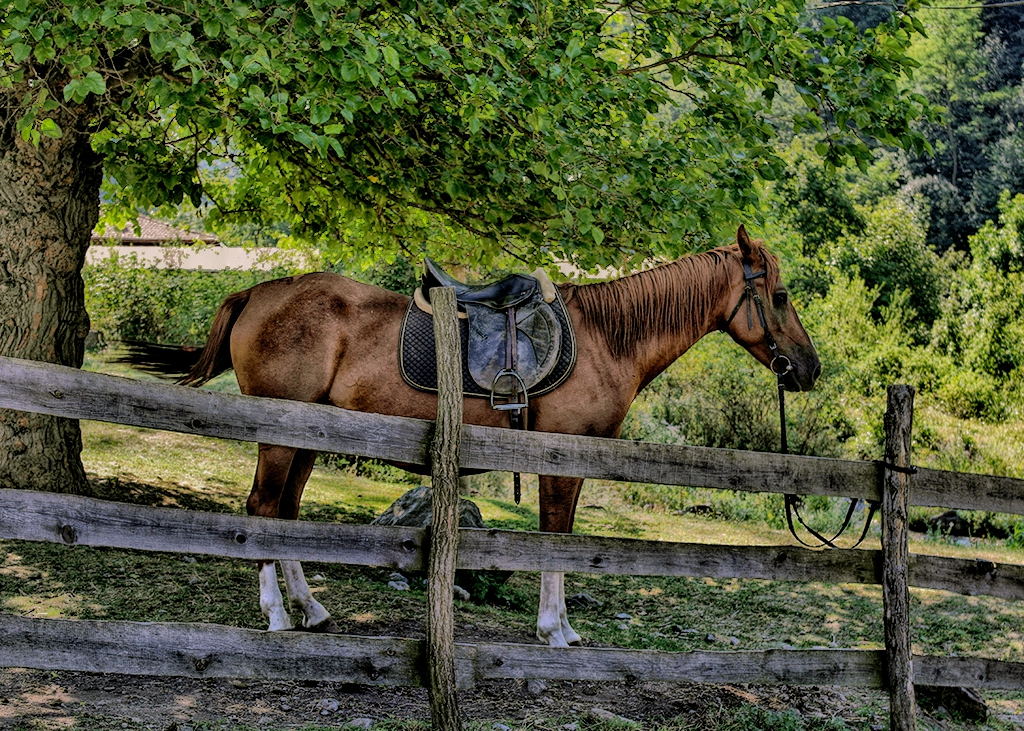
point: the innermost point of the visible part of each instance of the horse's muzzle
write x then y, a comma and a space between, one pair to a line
803, 376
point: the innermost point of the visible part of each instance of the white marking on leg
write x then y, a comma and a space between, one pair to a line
300, 595
271, 601
568, 633
549, 626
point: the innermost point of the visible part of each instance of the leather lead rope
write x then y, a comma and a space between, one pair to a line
780, 365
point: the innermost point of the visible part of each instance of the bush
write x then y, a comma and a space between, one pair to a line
127, 301
971, 395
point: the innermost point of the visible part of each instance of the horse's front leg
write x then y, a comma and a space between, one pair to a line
558, 496
552, 621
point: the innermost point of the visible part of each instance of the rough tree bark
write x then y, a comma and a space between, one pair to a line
49, 205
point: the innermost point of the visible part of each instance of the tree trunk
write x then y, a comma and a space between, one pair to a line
49, 205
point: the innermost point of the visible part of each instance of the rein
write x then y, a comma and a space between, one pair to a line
780, 365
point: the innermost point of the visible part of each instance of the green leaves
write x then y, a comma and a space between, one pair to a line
77, 90
561, 130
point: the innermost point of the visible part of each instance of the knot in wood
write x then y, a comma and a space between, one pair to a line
409, 544
985, 568
499, 662
241, 538
57, 394
68, 534
197, 423
201, 663
597, 561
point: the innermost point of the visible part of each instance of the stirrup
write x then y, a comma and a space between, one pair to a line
510, 404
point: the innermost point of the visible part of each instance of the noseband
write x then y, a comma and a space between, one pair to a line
780, 365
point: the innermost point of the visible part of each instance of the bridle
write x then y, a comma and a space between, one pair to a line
780, 365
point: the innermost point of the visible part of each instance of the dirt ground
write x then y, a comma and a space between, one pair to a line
54, 700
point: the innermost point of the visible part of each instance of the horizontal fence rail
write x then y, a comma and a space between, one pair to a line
214, 651
72, 393
75, 520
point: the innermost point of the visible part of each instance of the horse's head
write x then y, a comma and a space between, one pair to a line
760, 316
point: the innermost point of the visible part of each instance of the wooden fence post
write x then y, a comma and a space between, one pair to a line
444, 460
895, 570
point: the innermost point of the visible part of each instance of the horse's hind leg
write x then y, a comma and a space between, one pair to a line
281, 475
315, 617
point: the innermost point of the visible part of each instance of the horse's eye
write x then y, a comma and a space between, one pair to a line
779, 299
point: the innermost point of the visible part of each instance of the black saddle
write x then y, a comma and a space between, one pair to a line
517, 339
511, 291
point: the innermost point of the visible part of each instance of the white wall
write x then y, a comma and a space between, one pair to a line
211, 258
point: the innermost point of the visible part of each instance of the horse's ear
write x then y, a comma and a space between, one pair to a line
747, 245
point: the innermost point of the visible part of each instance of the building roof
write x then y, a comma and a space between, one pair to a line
151, 233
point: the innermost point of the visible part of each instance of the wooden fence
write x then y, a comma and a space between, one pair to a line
216, 651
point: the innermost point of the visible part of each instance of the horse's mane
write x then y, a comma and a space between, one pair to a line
673, 299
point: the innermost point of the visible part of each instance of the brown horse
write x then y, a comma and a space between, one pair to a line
324, 338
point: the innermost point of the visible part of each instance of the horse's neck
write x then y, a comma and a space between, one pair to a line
697, 296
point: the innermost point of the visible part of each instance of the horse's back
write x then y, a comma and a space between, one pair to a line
294, 333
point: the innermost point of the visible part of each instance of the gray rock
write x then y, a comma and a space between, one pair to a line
950, 523
623, 616
399, 585
328, 704
600, 714
710, 638
395, 576
500, 727
535, 686
414, 509
734, 641
583, 601
460, 593
363, 723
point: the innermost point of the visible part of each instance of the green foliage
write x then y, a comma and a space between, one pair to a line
977, 142
818, 206
892, 257
566, 130
981, 325
971, 395
129, 301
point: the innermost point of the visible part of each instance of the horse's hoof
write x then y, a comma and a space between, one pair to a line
555, 639
327, 626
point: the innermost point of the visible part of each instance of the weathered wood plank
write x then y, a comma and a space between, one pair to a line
965, 491
862, 668
444, 526
68, 392
899, 415
523, 551
205, 651
56, 518
60, 391
968, 672
72, 519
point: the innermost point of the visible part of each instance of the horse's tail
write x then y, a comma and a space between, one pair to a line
216, 356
